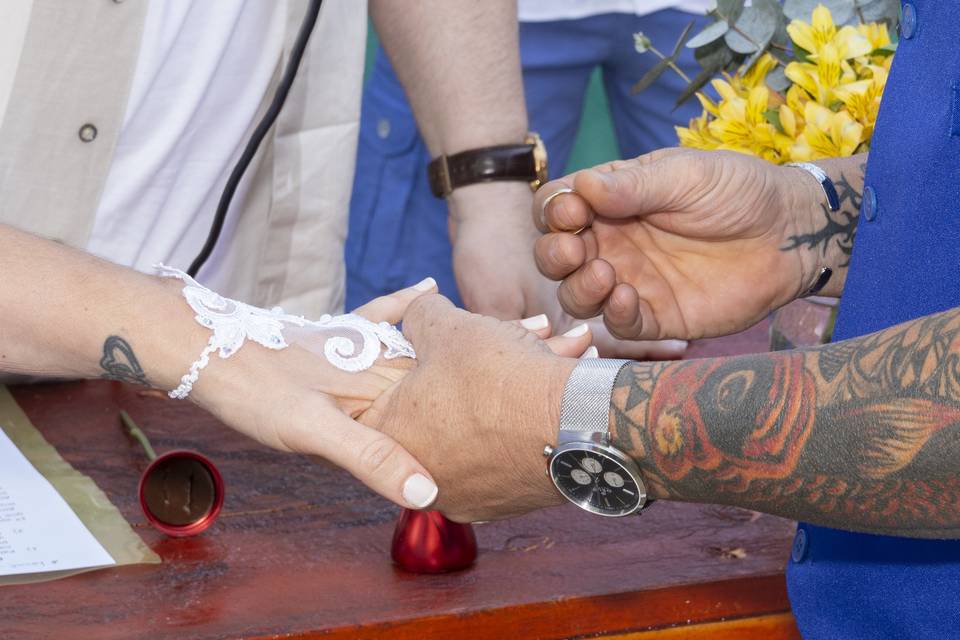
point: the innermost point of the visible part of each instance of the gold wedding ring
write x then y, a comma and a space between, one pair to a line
547, 200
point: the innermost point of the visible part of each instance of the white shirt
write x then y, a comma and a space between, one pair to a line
203, 70
550, 10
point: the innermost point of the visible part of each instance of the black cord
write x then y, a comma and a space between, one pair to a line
289, 74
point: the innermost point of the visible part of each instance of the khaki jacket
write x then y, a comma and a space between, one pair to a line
70, 64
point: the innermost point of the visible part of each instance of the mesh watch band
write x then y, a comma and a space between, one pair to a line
586, 398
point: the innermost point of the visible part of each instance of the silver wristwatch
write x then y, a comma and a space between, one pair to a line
586, 469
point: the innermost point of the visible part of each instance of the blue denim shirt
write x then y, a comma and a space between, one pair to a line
906, 263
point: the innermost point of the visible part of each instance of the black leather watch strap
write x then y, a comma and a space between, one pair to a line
523, 162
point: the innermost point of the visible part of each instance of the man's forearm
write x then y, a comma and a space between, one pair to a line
827, 236
862, 434
68, 314
459, 63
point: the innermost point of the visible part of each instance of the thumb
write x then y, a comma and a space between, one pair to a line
426, 321
634, 188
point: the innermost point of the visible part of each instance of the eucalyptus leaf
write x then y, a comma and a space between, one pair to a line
714, 58
756, 26
841, 10
756, 55
729, 10
778, 80
780, 42
708, 35
880, 11
651, 76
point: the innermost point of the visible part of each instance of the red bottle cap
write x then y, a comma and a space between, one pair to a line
181, 493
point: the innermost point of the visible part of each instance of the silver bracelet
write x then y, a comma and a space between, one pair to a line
833, 201
830, 191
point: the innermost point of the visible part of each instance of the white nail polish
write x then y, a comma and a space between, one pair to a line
536, 323
577, 331
419, 491
425, 285
591, 352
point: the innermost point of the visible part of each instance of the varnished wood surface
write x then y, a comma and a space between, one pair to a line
302, 550
779, 625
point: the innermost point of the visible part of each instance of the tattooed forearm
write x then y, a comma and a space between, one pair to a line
862, 434
838, 228
119, 362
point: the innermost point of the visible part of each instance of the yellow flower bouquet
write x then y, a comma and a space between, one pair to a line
817, 98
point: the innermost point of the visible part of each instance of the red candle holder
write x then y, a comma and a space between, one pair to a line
429, 542
181, 492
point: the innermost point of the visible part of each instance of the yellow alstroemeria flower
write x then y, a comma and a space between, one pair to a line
876, 34
697, 135
821, 78
741, 124
758, 72
821, 31
788, 120
709, 106
797, 98
862, 100
826, 134
829, 110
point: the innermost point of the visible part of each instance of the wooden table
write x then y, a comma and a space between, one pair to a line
302, 550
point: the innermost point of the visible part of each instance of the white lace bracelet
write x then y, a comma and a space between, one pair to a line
233, 323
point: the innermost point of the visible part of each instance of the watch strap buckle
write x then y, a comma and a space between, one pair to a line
441, 185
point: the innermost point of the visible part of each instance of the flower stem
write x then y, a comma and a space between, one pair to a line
138, 435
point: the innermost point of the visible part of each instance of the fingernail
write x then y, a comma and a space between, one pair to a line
419, 491
591, 352
536, 323
677, 344
577, 331
425, 285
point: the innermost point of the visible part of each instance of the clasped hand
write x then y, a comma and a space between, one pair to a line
677, 244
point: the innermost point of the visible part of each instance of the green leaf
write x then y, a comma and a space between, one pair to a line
802, 55
695, 85
714, 58
651, 76
886, 50
678, 47
708, 35
756, 26
773, 117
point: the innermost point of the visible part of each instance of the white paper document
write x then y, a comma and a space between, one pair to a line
38, 529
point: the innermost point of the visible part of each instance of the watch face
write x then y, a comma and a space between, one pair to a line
596, 481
